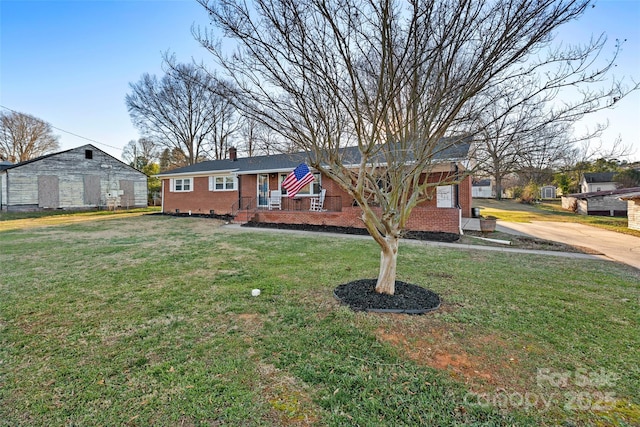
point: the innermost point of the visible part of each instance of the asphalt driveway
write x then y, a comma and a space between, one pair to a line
617, 246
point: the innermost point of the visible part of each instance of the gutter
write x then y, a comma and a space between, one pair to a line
457, 201
162, 202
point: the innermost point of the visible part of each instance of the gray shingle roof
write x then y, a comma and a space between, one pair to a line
283, 162
5, 164
591, 177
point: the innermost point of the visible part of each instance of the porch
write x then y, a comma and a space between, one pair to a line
249, 206
335, 214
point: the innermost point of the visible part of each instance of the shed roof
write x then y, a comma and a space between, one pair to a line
82, 147
631, 196
5, 164
593, 194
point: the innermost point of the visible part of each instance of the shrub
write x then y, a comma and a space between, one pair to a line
530, 193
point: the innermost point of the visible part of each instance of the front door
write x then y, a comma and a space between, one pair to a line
263, 189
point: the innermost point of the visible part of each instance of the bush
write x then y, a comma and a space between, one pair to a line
530, 193
516, 192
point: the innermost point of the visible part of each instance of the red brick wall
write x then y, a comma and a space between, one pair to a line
248, 185
422, 218
465, 197
200, 200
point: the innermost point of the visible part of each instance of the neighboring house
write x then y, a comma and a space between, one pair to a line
80, 178
481, 188
633, 209
605, 203
597, 181
241, 187
548, 192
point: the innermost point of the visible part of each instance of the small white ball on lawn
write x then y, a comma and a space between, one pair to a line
255, 292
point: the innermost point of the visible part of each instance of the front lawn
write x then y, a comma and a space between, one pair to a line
149, 320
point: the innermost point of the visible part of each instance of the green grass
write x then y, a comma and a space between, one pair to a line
149, 321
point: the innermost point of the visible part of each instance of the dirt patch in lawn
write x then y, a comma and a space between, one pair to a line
290, 401
482, 362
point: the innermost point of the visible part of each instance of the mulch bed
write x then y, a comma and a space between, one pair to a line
416, 235
360, 295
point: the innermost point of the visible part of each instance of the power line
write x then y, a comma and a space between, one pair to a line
66, 131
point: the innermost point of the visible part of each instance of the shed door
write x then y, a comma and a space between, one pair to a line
91, 190
48, 192
128, 198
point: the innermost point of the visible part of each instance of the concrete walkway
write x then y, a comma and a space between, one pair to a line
505, 249
616, 246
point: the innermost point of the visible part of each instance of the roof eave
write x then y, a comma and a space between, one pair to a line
195, 173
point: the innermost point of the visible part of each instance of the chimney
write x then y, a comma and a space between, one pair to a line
233, 154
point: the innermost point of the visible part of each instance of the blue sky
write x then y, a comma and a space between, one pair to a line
70, 62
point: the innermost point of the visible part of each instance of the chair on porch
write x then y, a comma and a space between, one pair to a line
275, 200
317, 203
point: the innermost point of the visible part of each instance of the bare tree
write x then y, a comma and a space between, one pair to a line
140, 153
181, 111
24, 137
226, 121
393, 78
258, 139
518, 134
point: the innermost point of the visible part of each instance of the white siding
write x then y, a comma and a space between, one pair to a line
74, 170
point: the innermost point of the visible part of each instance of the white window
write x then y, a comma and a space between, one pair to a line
182, 184
311, 189
223, 183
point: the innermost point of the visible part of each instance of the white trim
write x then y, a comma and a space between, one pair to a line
316, 182
267, 171
198, 174
162, 201
444, 196
266, 198
226, 178
172, 183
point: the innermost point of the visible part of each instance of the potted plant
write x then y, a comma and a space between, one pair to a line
487, 224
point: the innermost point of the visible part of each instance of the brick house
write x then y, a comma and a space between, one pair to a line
240, 187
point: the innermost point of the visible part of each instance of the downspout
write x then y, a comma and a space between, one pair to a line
162, 201
239, 194
6, 185
457, 200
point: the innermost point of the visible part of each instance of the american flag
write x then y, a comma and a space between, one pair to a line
297, 179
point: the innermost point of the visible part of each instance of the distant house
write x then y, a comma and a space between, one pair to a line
245, 187
481, 188
604, 203
633, 209
597, 181
80, 178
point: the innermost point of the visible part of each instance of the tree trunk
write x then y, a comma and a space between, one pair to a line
388, 260
498, 188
